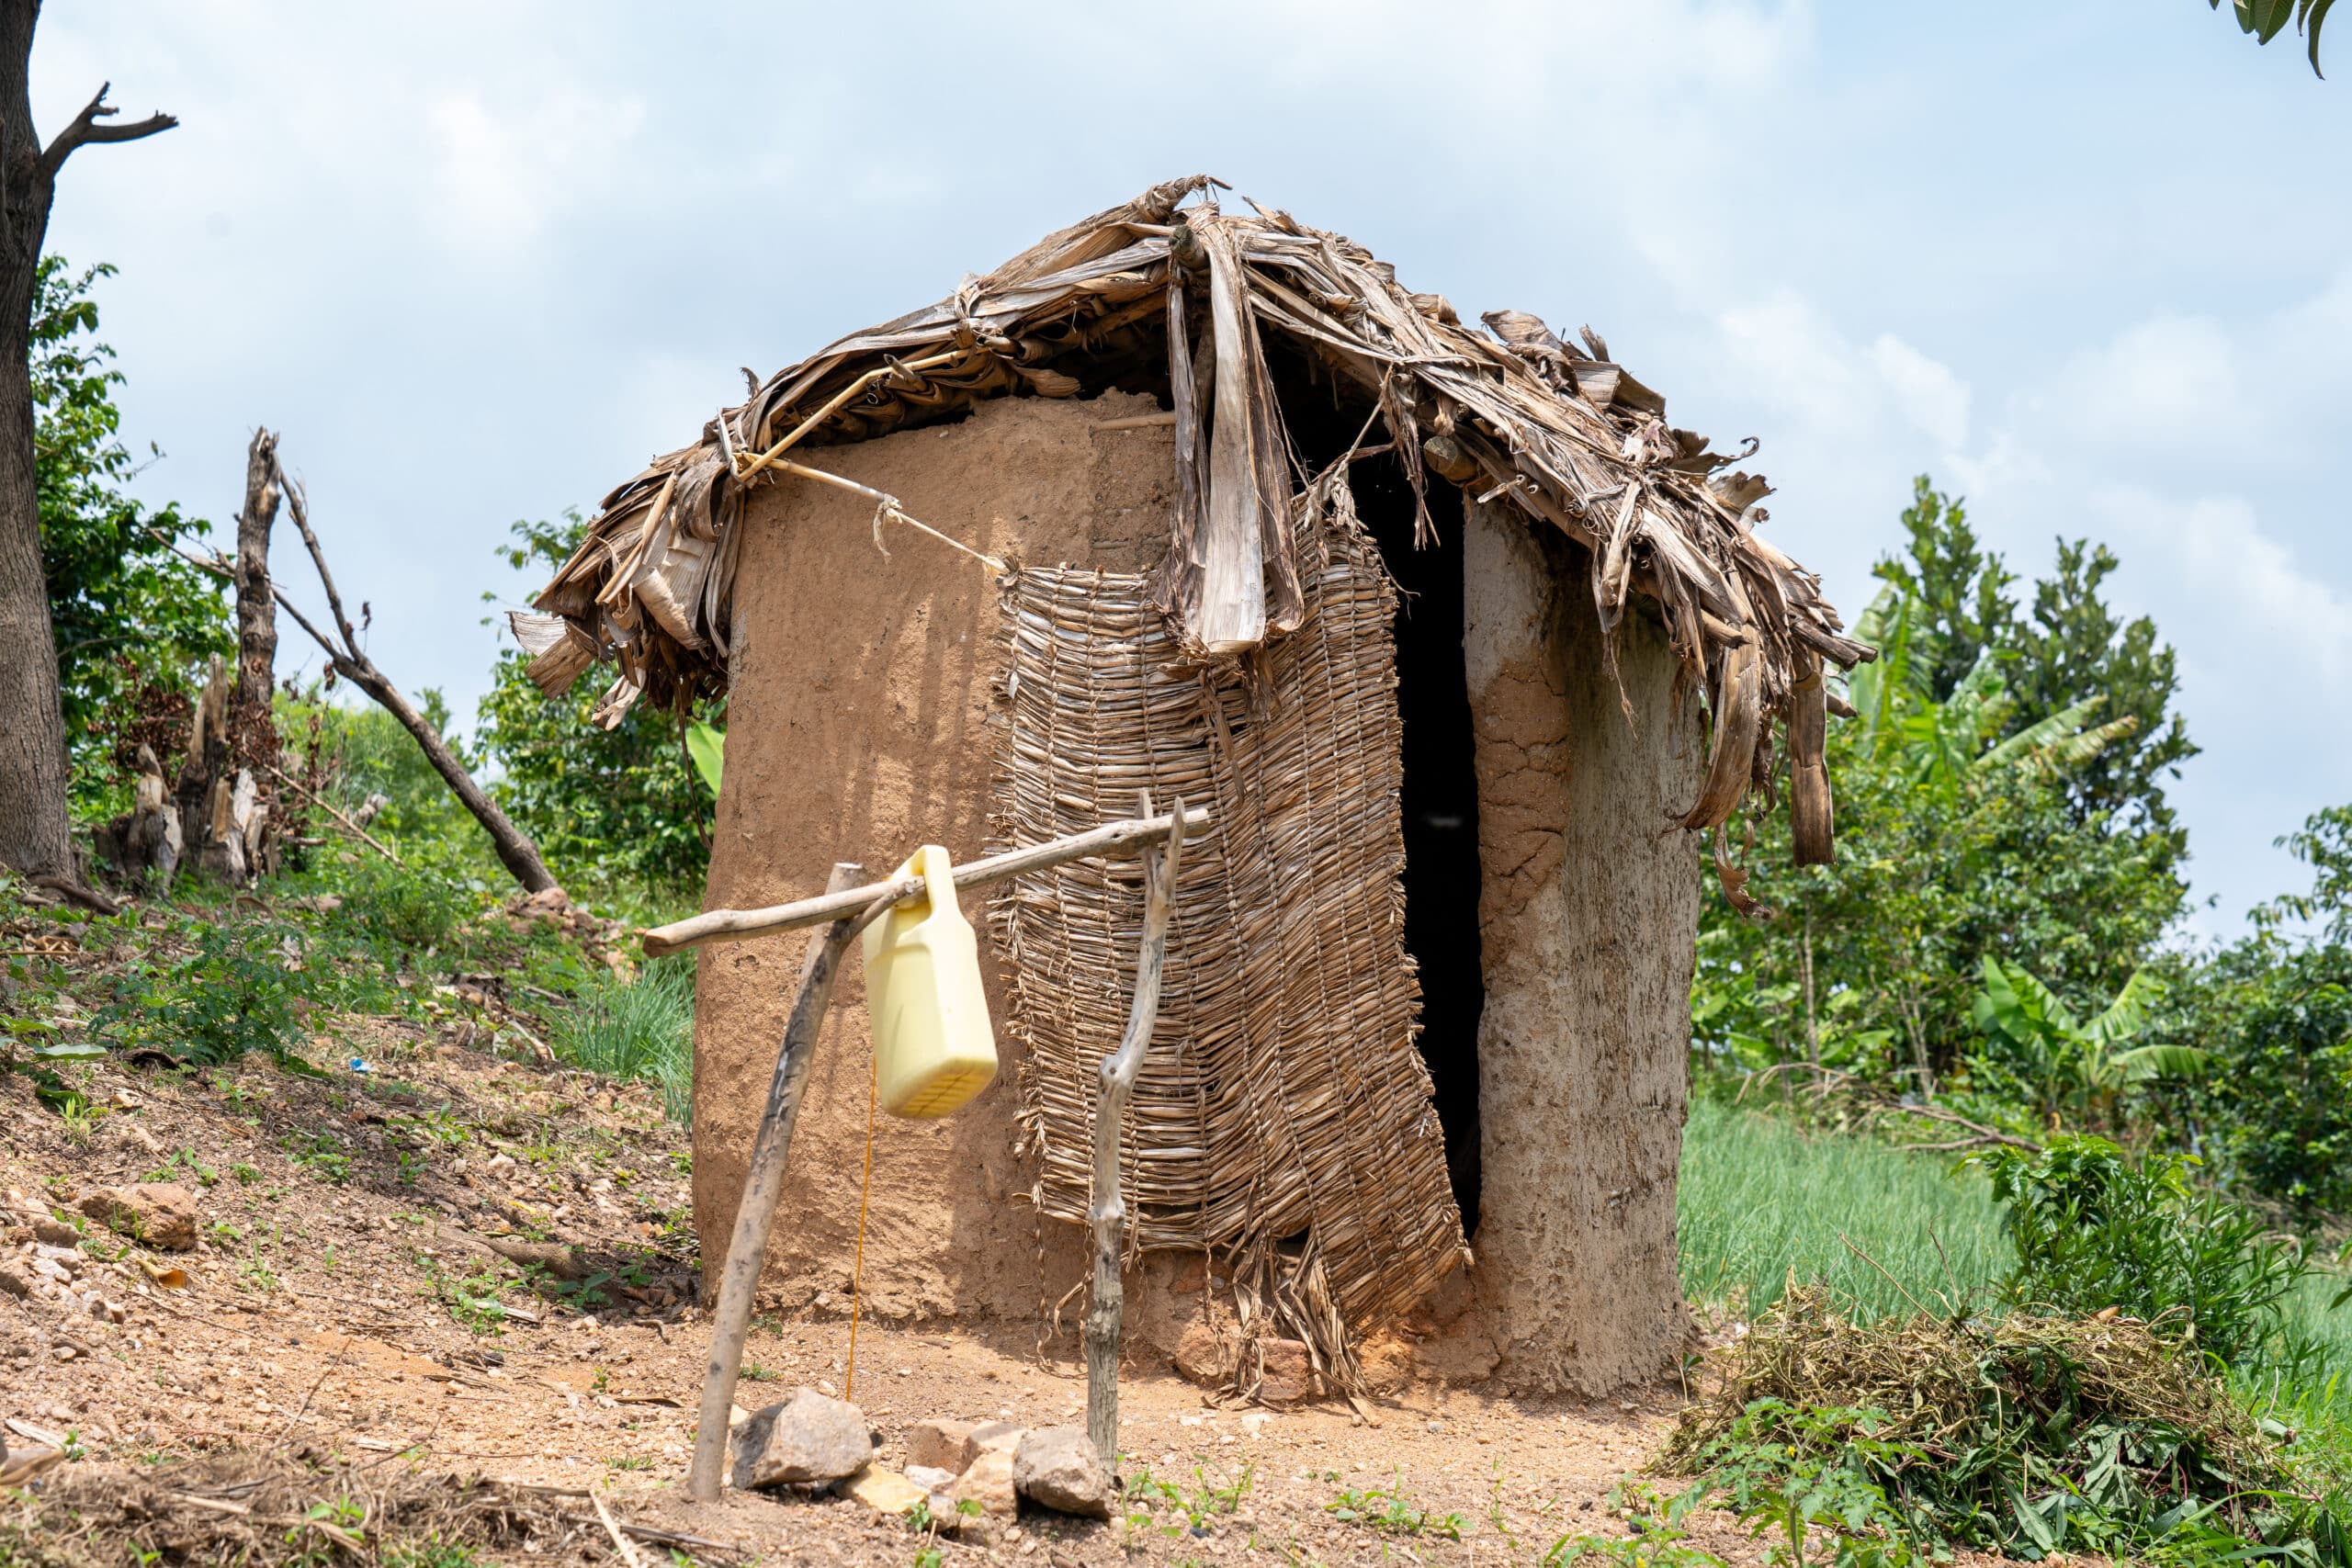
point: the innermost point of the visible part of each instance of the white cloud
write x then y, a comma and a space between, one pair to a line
1929, 395
2226, 571
503, 172
1794, 356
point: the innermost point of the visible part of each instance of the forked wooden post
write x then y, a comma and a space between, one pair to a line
1108, 1212
747, 1247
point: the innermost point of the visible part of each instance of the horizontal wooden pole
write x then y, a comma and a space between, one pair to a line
1112, 840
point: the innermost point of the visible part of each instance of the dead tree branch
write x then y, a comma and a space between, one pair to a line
515, 850
1878, 1103
84, 128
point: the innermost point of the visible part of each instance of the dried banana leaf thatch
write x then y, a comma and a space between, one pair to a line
1559, 427
1282, 1093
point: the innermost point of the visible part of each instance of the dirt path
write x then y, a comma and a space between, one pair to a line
341, 1331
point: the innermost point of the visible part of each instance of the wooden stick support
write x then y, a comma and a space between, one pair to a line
1112, 840
851, 909
747, 1247
1108, 1212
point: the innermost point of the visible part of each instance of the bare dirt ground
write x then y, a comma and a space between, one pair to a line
344, 1354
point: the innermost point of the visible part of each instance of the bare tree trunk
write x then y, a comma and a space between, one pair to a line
349, 660
224, 800
1589, 922
1107, 1211
256, 610
35, 838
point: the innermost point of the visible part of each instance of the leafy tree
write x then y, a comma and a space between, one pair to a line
625, 805
2265, 20
2324, 843
2275, 1114
2275, 1012
2074, 643
128, 612
1957, 838
1957, 594
2069, 648
35, 829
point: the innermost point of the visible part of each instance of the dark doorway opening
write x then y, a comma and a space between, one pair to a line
1439, 806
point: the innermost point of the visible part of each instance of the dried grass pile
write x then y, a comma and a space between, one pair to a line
2014, 1431
277, 1508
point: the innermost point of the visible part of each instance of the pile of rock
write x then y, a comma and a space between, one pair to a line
968, 1475
48, 1261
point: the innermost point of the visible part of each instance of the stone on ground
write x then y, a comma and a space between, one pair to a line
803, 1440
998, 1436
1056, 1468
156, 1213
942, 1445
1289, 1375
1203, 1355
884, 1491
987, 1481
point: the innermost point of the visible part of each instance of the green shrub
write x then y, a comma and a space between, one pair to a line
617, 806
643, 1029
2093, 1230
408, 906
234, 992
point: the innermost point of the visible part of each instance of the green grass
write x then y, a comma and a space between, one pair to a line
640, 1028
1761, 1202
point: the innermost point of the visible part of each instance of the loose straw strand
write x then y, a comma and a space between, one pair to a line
857, 1265
890, 510
886, 505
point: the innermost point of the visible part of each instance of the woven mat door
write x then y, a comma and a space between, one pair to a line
1282, 1109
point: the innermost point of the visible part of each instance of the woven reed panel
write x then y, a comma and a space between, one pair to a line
1282, 1094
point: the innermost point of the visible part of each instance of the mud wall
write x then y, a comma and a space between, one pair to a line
1588, 921
861, 722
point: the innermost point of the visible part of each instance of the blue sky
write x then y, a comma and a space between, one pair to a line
2090, 264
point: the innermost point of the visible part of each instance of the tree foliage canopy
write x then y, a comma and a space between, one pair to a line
2265, 20
128, 612
629, 803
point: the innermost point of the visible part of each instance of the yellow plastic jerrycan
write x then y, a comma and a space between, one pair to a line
933, 1048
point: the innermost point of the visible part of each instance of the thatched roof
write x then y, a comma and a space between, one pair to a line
1518, 412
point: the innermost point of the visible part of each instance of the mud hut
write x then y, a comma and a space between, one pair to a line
1458, 637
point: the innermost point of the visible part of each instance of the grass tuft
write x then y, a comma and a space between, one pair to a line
640, 1028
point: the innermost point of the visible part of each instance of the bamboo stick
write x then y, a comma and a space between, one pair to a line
1109, 1214
747, 1247
836, 401
1111, 841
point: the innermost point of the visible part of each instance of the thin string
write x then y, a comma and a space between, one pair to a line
857, 1267
889, 509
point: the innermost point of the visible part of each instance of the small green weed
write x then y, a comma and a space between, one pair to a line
319, 1153
431, 1551
1175, 1509
1387, 1510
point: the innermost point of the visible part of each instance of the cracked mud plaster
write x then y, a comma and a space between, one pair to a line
1588, 920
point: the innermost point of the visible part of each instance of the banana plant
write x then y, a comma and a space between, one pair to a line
1943, 743
2071, 1063
706, 748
